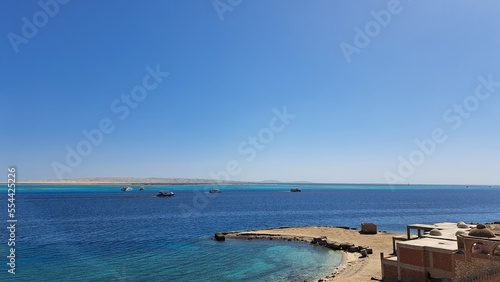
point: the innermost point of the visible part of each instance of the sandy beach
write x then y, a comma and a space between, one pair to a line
353, 267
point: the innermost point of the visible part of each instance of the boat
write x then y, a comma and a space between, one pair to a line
165, 194
127, 189
295, 190
214, 191
141, 188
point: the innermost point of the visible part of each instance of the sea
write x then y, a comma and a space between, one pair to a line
99, 233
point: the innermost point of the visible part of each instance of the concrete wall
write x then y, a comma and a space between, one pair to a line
411, 256
442, 261
390, 272
408, 275
414, 263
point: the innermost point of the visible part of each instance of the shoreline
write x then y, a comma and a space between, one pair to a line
354, 266
204, 181
122, 183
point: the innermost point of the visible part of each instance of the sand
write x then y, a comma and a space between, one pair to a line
353, 267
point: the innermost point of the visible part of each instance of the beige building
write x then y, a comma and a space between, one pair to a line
445, 252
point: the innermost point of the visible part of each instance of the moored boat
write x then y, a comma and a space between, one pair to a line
214, 191
295, 190
127, 189
165, 194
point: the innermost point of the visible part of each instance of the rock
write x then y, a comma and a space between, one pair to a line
353, 249
330, 244
361, 247
363, 253
322, 242
336, 246
346, 246
319, 240
219, 236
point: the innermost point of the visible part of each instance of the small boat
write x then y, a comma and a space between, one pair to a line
165, 194
295, 190
214, 191
141, 188
127, 189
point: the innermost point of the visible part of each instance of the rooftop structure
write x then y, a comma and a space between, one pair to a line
445, 252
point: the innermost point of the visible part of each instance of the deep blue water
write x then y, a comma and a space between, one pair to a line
98, 233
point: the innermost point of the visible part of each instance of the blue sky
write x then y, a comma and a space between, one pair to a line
353, 120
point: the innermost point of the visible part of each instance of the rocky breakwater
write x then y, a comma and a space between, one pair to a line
355, 246
220, 236
323, 241
363, 250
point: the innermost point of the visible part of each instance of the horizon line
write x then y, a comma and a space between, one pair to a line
182, 180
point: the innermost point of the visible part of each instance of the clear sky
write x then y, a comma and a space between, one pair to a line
361, 88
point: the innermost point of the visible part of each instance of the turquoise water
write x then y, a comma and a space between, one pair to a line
98, 233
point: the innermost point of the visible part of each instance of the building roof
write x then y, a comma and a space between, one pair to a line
431, 243
447, 230
435, 232
482, 231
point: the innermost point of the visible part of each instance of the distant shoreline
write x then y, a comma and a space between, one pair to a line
119, 184
197, 181
239, 184
125, 181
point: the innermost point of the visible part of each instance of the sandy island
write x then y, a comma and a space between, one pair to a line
353, 266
